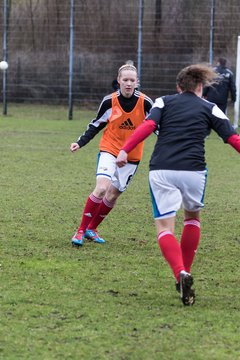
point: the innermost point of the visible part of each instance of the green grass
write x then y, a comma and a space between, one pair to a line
115, 301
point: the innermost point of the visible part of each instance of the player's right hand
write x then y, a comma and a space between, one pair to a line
74, 147
122, 158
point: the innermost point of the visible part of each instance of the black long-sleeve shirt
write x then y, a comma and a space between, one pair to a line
218, 93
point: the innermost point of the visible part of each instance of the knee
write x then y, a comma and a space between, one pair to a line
112, 194
111, 197
100, 191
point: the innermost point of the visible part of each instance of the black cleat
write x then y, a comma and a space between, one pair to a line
186, 293
178, 286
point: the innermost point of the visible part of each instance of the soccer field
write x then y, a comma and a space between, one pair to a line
118, 300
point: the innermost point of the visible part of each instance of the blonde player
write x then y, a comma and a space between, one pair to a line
119, 114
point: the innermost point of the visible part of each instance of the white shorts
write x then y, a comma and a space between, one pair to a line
120, 177
171, 189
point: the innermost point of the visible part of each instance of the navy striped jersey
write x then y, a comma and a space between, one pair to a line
184, 121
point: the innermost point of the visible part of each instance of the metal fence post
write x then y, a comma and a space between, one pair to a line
211, 45
236, 104
71, 61
139, 55
5, 54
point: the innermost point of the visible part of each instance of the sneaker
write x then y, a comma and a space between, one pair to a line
78, 238
93, 235
186, 293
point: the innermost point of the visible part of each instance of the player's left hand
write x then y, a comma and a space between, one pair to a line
122, 158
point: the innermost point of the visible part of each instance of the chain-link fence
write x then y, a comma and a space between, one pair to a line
161, 36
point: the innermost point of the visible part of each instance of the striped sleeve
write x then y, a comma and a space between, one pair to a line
98, 123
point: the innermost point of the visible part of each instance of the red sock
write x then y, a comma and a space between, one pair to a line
189, 241
104, 208
90, 209
171, 250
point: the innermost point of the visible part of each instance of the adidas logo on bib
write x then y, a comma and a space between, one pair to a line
127, 125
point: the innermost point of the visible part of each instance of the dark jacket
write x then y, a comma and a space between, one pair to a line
218, 93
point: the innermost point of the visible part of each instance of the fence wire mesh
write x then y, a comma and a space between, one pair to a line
174, 33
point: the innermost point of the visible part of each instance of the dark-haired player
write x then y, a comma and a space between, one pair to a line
178, 171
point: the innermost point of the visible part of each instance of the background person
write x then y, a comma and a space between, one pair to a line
178, 171
218, 93
120, 113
